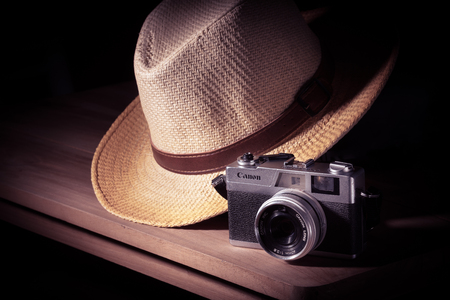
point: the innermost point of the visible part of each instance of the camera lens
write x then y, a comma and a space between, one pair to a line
282, 229
290, 224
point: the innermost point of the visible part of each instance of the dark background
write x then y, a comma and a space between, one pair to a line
54, 49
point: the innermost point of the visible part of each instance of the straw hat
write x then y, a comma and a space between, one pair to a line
220, 78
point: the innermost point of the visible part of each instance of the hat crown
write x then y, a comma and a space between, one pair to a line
211, 73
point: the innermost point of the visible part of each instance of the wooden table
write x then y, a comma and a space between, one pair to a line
46, 151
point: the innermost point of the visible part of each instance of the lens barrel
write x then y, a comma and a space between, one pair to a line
290, 224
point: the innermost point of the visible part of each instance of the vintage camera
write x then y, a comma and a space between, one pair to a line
291, 208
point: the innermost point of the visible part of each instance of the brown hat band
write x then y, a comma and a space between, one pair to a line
309, 101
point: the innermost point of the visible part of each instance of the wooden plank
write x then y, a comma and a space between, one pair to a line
52, 178
45, 159
122, 254
68, 196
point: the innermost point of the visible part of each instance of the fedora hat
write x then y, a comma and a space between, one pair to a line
220, 78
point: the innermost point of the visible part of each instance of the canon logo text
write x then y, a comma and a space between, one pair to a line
248, 176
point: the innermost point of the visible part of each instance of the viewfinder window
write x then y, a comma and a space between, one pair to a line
325, 185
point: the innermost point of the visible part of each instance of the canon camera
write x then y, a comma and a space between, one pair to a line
291, 208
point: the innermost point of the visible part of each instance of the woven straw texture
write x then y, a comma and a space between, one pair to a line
175, 109
131, 185
219, 85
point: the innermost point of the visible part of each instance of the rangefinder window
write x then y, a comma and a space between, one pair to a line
325, 185
291, 181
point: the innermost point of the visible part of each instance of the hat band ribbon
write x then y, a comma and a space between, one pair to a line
310, 100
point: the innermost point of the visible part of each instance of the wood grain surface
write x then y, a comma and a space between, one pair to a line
46, 151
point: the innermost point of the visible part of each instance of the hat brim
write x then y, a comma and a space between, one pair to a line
130, 184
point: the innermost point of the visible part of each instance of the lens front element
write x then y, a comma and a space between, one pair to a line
282, 227
290, 224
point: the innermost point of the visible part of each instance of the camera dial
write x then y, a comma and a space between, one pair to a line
247, 159
290, 224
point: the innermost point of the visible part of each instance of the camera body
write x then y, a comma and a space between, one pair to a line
291, 208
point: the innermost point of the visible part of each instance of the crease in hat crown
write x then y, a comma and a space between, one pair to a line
211, 73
